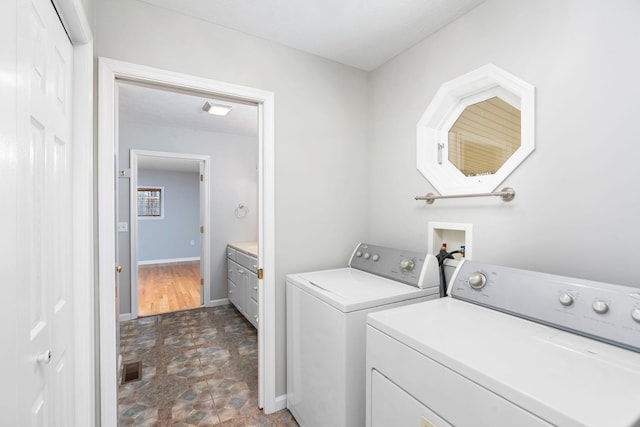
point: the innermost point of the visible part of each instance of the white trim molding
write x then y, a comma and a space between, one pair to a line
168, 261
448, 103
110, 71
76, 24
205, 208
218, 302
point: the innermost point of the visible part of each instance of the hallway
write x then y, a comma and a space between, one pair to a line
199, 368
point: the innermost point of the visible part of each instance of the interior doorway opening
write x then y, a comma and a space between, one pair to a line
110, 71
167, 207
168, 287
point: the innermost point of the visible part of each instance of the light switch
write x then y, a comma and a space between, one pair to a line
193, 242
123, 226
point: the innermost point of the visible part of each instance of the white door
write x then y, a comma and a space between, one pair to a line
44, 213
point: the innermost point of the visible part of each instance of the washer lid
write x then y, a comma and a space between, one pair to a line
348, 289
564, 378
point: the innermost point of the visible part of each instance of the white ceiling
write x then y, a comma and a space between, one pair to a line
153, 106
361, 33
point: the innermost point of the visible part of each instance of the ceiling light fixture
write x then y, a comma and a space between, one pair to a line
216, 109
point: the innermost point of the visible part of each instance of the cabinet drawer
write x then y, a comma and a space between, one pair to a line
248, 262
240, 275
231, 253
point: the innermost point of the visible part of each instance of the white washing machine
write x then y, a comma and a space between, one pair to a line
509, 348
326, 326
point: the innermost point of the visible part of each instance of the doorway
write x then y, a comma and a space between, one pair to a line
109, 72
169, 251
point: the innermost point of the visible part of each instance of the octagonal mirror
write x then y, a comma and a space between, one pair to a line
477, 130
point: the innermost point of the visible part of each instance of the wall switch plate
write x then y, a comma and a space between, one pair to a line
123, 226
193, 242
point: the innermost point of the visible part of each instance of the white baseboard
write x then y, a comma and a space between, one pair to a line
213, 303
168, 261
281, 402
217, 302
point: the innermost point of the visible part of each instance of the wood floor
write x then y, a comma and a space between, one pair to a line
168, 287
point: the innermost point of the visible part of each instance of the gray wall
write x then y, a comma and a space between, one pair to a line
577, 206
320, 109
233, 180
345, 139
89, 10
170, 237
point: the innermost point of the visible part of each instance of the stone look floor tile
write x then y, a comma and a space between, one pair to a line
199, 369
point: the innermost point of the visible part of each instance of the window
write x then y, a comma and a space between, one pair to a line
150, 203
477, 130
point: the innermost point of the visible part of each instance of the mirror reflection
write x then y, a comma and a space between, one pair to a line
484, 136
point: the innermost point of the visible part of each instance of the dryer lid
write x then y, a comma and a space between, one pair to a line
564, 378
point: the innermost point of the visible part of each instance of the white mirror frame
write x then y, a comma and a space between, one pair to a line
445, 108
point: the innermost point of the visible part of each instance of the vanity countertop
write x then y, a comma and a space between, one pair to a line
249, 248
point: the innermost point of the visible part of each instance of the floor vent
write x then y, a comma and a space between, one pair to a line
131, 372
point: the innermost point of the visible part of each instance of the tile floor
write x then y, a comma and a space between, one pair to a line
199, 368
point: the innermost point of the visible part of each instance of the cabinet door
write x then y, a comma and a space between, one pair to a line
236, 295
232, 271
252, 289
252, 312
252, 298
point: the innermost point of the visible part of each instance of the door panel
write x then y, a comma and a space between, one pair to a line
44, 211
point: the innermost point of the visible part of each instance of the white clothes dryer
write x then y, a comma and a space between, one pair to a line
326, 326
509, 348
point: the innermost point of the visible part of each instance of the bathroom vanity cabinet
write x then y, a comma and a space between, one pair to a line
242, 270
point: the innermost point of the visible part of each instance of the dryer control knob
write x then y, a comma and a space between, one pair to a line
359, 254
566, 300
367, 255
406, 265
477, 280
600, 306
375, 257
635, 314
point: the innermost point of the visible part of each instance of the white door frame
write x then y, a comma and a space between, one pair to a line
76, 24
108, 71
205, 207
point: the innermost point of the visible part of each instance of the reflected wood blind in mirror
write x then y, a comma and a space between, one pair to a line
484, 136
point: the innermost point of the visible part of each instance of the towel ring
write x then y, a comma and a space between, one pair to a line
241, 211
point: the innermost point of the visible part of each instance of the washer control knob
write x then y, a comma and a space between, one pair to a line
367, 255
406, 265
566, 300
635, 314
375, 257
359, 254
477, 280
600, 306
